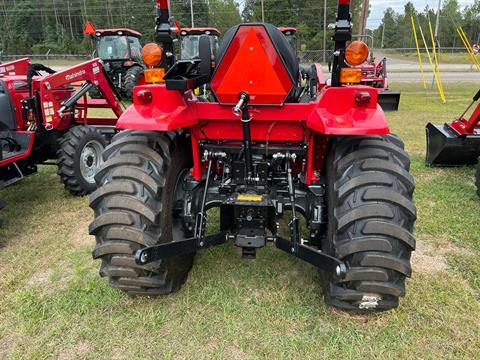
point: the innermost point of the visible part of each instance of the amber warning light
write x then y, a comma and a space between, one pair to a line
252, 64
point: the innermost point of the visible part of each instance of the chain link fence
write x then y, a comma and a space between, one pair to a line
309, 56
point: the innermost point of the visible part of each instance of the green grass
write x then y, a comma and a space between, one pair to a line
443, 58
53, 304
64, 62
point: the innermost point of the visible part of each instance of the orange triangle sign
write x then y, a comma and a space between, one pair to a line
255, 68
89, 29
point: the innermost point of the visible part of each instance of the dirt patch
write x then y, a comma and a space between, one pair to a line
236, 353
40, 278
80, 237
428, 259
80, 351
7, 344
47, 280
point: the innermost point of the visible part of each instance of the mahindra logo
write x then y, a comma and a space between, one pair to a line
74, 75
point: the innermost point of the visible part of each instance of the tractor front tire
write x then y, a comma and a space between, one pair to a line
79, 158
371, 220
134, 207
477, 177
132, 78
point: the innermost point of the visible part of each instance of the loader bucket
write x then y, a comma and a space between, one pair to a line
389, 100
445, 147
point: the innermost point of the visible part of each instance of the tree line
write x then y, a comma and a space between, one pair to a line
396, 28
37, 26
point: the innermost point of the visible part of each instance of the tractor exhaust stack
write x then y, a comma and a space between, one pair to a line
457, 143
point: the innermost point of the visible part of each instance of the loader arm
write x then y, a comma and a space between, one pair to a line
57, 110
468, 126
17, 67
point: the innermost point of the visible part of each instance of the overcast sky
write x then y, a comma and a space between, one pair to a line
378, 7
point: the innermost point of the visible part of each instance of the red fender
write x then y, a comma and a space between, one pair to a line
338, 113
166, 111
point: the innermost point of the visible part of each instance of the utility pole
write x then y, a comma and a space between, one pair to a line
364, 16
324, 31
437, 25
191, 11
383, 34
263, 11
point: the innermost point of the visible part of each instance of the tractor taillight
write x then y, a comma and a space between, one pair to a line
144, 96
154, 76
253, 65
363, 98
350, 76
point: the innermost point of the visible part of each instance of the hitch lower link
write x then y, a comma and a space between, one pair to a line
293, 246
308, 254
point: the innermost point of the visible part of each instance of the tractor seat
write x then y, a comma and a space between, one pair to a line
7, 117
190, 74
279, 40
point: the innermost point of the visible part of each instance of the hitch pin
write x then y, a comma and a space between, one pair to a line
237, 110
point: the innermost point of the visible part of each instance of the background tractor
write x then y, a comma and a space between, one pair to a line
47, 117
265, 146
121, 53
456, 143
189, 39
375, 74
291, 35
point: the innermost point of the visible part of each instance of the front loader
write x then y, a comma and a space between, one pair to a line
16, 67
375, 74
263, 148
456, 143
45, 117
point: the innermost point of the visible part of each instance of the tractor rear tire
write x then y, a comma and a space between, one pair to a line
371, 220
132, 78
477, 177
2, 205
135, 206
79, 158
94, 93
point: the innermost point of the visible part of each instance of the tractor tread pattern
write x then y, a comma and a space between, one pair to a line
129, 208
68, 158
477, 177
132, 77
373, 214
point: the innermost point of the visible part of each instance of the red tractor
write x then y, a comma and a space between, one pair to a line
121, 53
47, 117
291, 35
266, 147
375, 74
456, 143
190, 37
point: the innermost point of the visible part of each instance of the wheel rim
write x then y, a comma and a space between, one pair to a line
91, 160
178, 226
